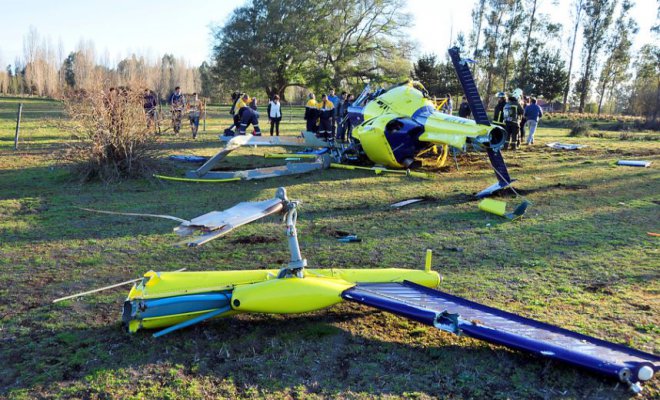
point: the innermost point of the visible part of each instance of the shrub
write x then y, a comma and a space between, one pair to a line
113, 141
580, 128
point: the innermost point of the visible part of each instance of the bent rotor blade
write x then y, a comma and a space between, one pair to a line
469, 87
218, 223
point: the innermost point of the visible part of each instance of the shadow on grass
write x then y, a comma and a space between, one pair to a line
273, 353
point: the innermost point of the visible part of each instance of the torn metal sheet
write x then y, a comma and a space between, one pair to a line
565, 146
307, 139
268, 172
405, 203
186, 158
634, 163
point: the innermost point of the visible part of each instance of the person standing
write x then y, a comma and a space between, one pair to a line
311, 113
194, 108
275, 115
464, 110
177, 104
347, 130
448, 107
525, 103
150, 104
499, 108
512, 114
335, 103
326, 111
533, 113
340, 111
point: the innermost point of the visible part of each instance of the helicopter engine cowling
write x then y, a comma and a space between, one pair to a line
495, 139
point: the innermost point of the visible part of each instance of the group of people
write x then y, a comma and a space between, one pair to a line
179, 105
327, 117
517, 113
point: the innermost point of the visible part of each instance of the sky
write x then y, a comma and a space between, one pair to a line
154, 27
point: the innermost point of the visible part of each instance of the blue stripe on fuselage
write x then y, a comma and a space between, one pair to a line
421, 115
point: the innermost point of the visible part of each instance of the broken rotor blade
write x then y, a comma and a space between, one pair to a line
218, 223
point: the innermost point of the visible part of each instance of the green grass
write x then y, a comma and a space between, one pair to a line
580, 259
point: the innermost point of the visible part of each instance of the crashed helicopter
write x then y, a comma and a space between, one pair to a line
392, 127
170, 301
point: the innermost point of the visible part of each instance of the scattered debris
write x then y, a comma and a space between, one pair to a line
565, 146
349, 239
498, 207
405, 203
634, 163
190, 159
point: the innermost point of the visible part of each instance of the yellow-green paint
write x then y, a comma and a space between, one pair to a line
177, 179
259, 291
493, 206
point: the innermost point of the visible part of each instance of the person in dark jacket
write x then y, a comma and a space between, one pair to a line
311, 113
249, 116
464, 109
512, 114
499, 108
525, 102
533, 113
326, 113
150, 107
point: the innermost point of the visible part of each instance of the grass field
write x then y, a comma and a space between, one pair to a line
581, 259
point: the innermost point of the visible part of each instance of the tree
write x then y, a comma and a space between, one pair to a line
598, 15
269, 44
427, 72
514, 10
494, 19
438, 78
645, 96
578, 8
361, 39
547, 76
618, 49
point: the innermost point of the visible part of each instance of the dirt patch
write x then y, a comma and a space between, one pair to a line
599, 287
255, 239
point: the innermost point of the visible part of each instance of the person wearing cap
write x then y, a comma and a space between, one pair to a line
499, 108
311, 113
512, 114
326, 112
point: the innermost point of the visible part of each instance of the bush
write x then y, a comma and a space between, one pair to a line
580, 128
113, 139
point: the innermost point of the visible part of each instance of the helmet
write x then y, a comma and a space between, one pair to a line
500, 94
517, 93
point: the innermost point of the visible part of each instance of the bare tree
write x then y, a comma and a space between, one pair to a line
599, 17
578, 8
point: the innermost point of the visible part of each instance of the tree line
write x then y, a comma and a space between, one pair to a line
270, 45
44, 70
289, 47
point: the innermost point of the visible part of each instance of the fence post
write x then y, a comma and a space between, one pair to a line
204, 129
18, 125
